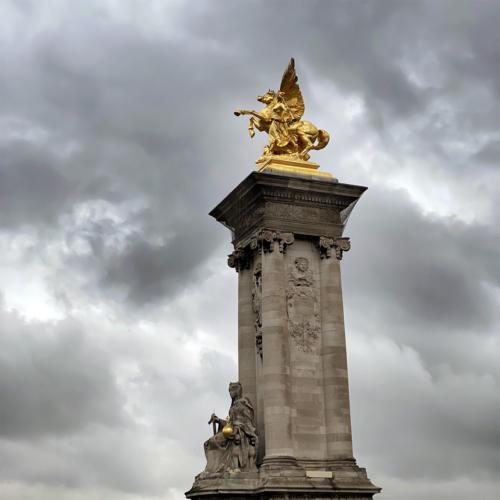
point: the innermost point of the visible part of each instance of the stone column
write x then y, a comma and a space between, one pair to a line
333, 352
276, 369
246, 335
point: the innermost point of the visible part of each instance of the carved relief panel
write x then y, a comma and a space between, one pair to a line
257, 306
302, 305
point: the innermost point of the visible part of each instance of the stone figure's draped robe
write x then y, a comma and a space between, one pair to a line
238, 451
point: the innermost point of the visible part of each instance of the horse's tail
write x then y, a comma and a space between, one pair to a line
323, 139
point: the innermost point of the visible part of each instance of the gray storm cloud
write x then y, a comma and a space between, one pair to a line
118, 322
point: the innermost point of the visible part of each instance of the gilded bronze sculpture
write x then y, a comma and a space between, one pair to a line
289, 137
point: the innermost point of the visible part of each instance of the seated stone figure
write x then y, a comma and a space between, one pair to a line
236, 450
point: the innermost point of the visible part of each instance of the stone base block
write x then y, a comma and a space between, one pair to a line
287, 496
287, 479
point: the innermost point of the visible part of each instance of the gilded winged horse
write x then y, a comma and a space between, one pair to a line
280, 118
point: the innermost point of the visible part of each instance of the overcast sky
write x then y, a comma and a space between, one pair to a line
117, 309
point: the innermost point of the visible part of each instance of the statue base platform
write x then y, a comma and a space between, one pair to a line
283, 478
291, 165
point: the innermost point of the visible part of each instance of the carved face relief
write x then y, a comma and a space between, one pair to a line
301, 264
302, 305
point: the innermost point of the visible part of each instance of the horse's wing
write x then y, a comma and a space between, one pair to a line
290, 88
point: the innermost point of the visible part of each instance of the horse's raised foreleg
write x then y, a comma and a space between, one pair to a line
239, 112
258, 124
251, 131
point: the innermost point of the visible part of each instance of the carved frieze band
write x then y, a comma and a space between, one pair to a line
318, 199
264, 239
338, 245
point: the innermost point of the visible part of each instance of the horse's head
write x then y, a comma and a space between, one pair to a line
268, 97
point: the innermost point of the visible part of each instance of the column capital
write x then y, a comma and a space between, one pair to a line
338, 244
263, 239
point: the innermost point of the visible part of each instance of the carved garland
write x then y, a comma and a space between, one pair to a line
302, 306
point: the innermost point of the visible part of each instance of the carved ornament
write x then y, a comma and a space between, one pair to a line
338, 245
302, 306
263, 239
257, 307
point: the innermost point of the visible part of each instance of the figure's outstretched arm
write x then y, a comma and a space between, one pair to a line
217, 423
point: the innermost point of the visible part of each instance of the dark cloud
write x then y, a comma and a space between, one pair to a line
150, 272
432, 279
32, 189
53, 380
429, 270
117, 139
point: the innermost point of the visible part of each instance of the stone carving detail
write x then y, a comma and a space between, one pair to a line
239, 259
302, 305
267, 237
339, 245
319, 200
257, 306
242, 255
233, 447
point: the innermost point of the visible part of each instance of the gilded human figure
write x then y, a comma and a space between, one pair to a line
237, 450
288, 135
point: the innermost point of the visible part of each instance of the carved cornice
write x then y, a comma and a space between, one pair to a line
309, 207
263, 239
339, 245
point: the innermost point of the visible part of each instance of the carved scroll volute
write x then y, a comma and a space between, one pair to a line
284, 240
265, 239
239, 259
339, 245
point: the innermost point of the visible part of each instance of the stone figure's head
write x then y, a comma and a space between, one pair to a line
235, 390
302, 264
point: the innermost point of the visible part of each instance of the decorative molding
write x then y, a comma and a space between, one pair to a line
266, 237
263, 239
239, 259
319, 199
339, 245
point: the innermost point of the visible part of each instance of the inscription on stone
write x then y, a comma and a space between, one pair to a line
302, 305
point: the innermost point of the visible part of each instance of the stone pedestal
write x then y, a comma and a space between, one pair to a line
287, 231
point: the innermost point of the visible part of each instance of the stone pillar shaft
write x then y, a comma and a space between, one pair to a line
276, 358
333, 353
246, 335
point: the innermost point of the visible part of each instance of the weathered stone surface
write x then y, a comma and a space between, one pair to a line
287, 233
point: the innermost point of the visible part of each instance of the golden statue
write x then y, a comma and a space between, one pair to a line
289, 137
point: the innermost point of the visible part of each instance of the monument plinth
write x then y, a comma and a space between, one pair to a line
290, 410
